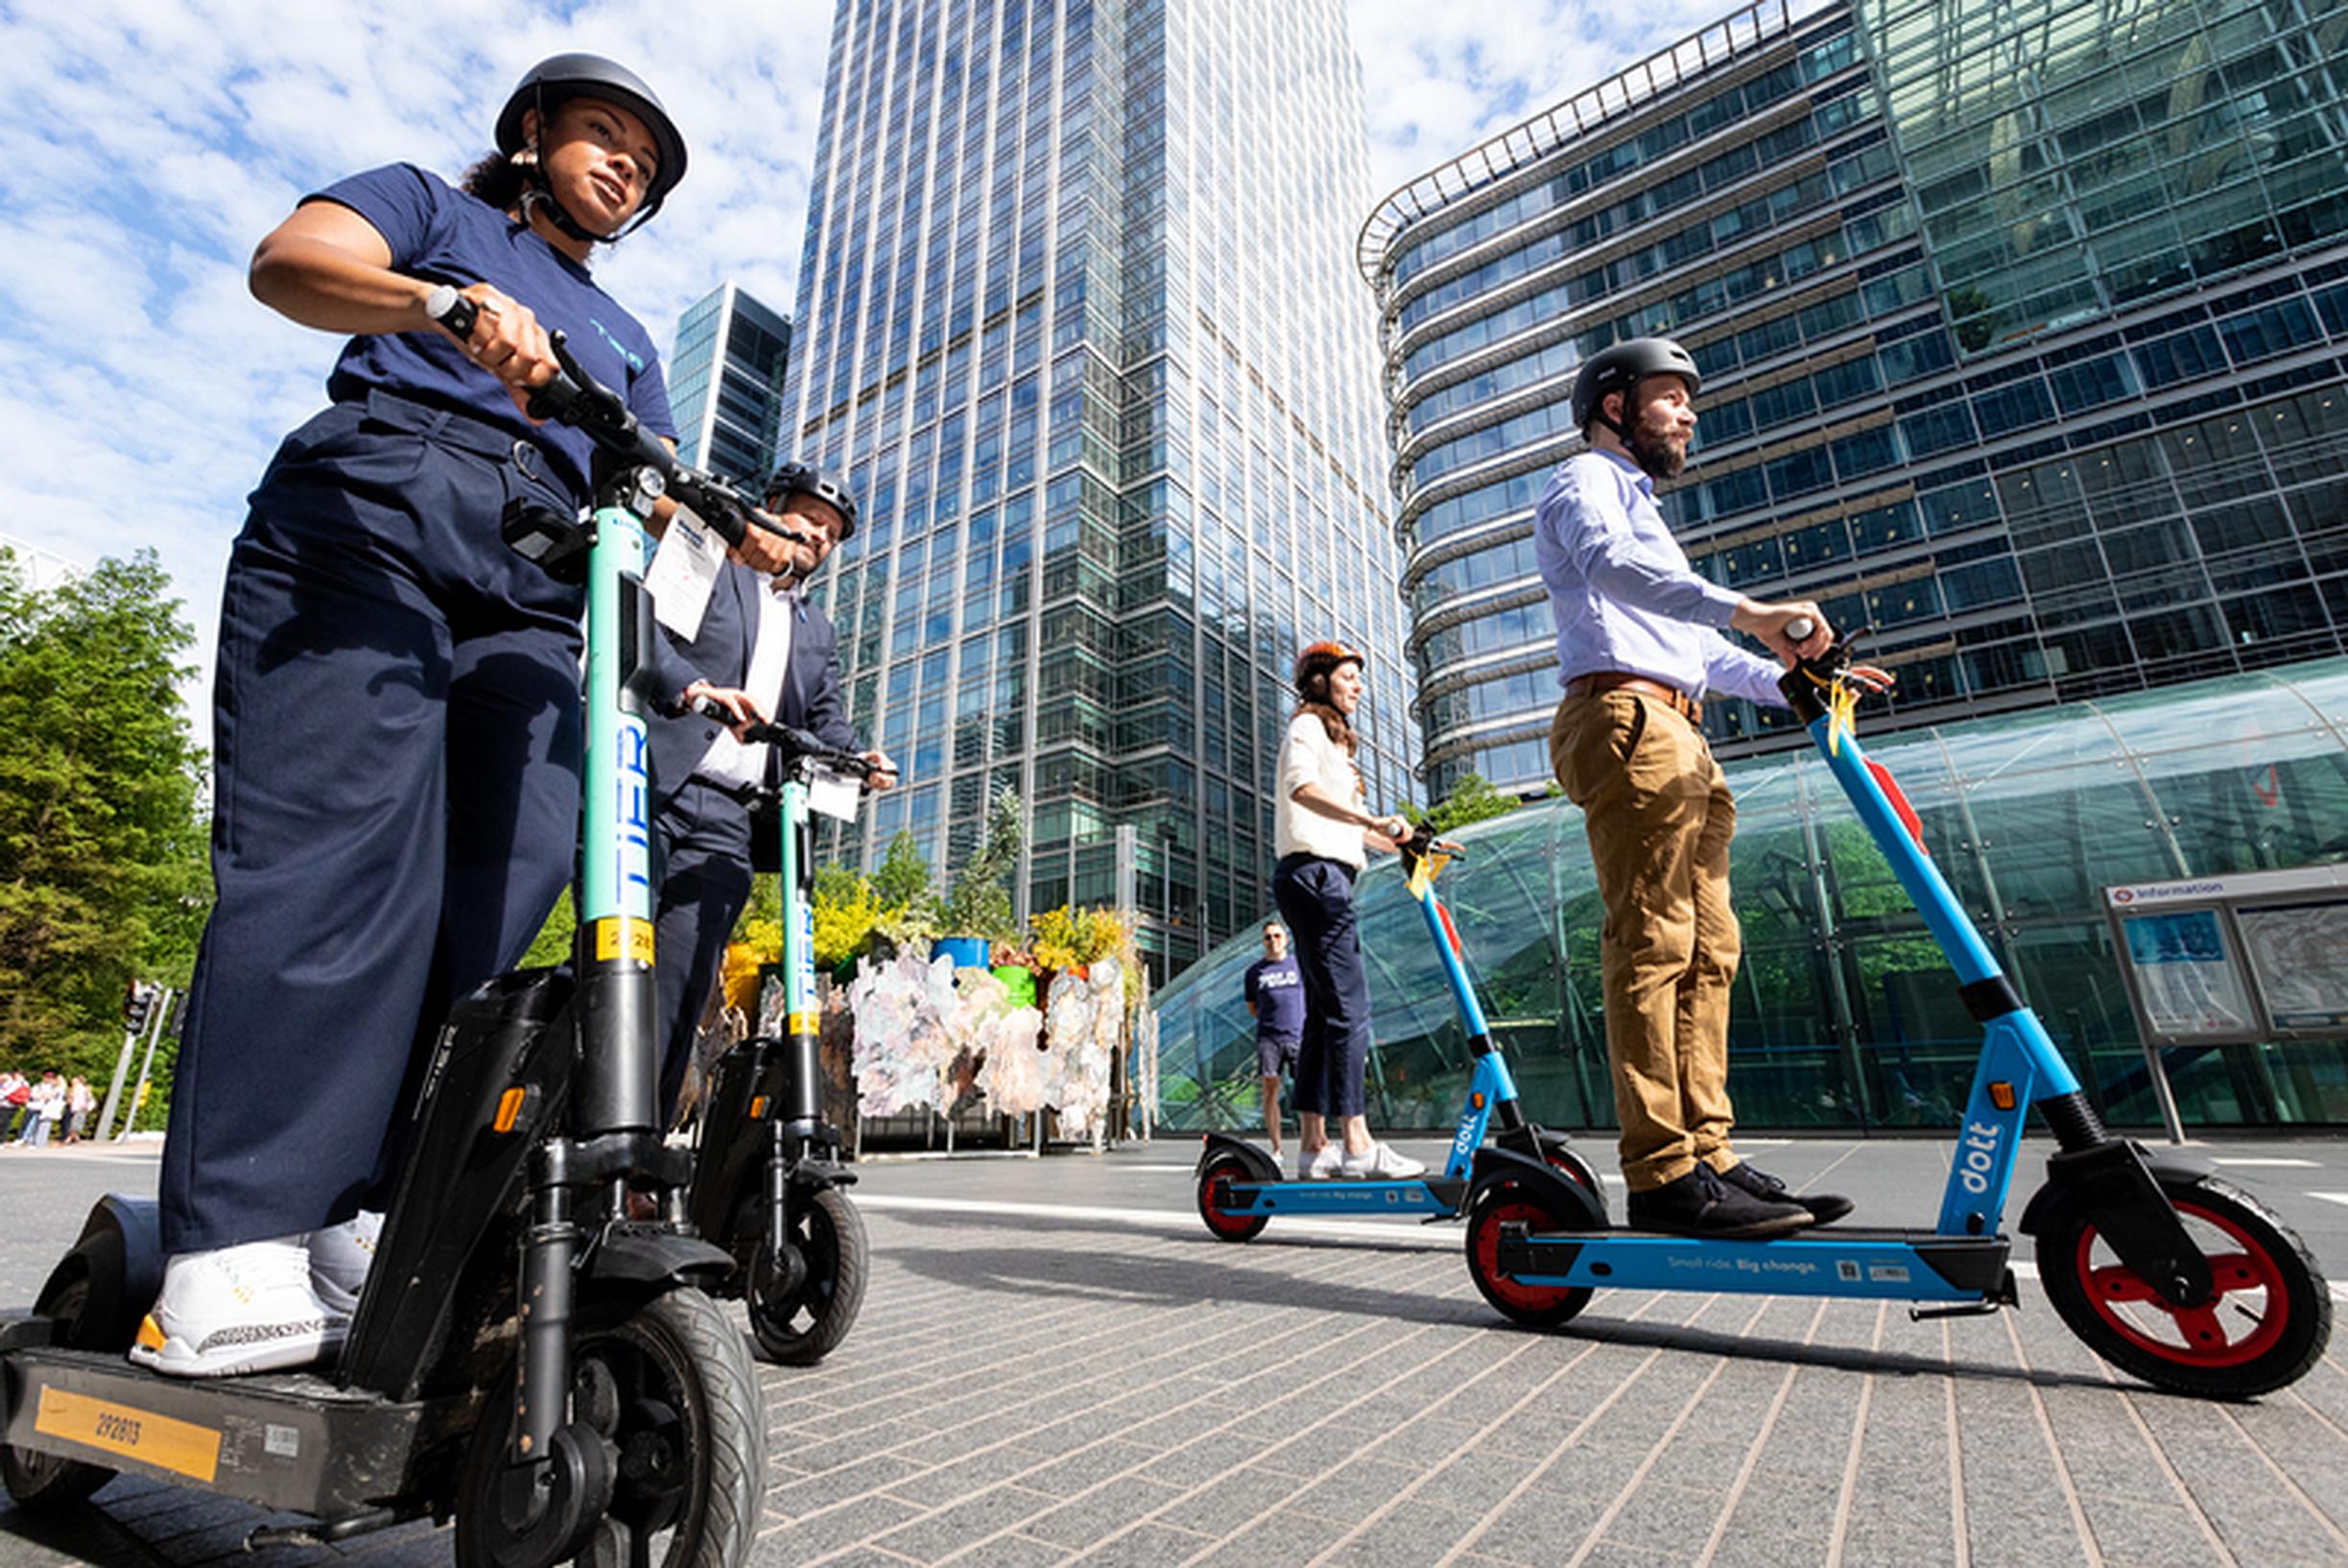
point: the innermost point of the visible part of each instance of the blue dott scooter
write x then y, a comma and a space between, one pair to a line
2163, 1269
1240, 1185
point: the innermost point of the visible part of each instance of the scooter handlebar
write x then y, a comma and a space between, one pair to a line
796, 745
575, 398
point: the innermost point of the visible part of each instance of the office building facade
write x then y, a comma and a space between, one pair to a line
1077, 320
725, 383
2021, 329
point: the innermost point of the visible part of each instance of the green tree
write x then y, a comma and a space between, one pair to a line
980, 904
1470, 800
103, 874
904, 877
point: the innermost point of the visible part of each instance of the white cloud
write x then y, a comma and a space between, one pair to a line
149, 144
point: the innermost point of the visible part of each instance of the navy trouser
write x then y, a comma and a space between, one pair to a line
1315, 898
702, 836
396, 734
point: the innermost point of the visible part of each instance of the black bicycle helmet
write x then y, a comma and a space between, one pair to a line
805, 479
1620, 369
546, 85
1322, 658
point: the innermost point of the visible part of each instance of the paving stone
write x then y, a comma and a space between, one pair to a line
947, 1529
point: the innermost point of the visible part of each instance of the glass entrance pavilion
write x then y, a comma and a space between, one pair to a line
1845, 1016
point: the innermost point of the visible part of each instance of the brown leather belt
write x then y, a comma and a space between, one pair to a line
1617, 680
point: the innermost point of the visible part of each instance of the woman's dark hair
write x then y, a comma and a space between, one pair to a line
1316, 704
496, 179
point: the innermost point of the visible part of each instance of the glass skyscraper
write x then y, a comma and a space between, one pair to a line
725, 383
2022, 327
1076, 317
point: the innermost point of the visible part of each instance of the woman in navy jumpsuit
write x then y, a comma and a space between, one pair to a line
397, 703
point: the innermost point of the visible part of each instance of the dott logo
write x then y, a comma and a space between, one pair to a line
1979, 1152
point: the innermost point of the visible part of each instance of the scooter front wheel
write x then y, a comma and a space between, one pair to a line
1509, 1200
799, 1327
2267, 1324
1215, 1184
671, 1393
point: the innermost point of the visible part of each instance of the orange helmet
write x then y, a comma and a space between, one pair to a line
1322, 658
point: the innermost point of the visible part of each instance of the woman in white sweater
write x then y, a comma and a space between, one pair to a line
1323, 829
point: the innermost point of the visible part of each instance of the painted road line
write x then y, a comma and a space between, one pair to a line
1382, 1230
2331, 1197
2252, 1159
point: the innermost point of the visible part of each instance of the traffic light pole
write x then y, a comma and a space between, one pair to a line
151, 1023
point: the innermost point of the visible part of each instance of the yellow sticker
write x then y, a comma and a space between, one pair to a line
800, 1023
619, 935
179, 1447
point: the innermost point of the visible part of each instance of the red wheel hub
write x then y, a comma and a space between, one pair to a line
1505, 1211
2201, 1339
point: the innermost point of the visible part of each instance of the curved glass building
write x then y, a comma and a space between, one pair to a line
2022, 328
1845, 1015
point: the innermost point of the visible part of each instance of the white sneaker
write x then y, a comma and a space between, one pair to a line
339, 1256
238, 1309
1380, 1163
1321, 1165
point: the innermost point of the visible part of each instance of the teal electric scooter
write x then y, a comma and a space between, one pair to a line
526, 1356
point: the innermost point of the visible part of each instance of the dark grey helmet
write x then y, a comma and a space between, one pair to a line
547, 84
805, 479
1622, 366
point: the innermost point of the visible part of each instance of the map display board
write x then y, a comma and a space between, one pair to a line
2187, 977
2299, 955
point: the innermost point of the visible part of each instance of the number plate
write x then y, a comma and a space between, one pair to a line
181, 1447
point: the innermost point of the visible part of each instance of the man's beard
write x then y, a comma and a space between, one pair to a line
1652, 449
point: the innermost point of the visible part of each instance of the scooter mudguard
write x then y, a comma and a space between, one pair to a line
1582, 1208
2119, 1185
641, 1259
1261, 1167
119, 1255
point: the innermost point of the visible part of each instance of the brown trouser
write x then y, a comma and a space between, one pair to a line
1659, 817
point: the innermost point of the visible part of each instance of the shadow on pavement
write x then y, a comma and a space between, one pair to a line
1200, 1277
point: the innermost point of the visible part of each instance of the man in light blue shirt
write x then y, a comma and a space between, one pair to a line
1639, 647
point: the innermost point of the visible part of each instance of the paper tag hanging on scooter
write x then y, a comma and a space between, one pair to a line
832, 795
684, 570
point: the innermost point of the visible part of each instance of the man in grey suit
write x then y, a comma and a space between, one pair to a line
762, 636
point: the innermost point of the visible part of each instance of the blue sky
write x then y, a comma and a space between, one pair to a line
148, 145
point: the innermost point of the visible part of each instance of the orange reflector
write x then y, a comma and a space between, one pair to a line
2002, 1096
510, 1109
758, 1107
1476, 1100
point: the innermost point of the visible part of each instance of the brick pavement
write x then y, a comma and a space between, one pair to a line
1038, 1383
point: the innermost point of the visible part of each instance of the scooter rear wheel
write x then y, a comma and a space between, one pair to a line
1214, 1201
671, 1391
802, 1328
2266, 1325
47, 1481
1502, 1202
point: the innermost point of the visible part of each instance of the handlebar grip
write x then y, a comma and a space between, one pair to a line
452, 310
1799, 628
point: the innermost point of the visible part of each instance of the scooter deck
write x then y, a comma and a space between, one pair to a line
1873, 1264
287, 1441
1435, 1195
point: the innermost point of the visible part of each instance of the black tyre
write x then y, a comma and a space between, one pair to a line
45, 1480
801, 1328
1509, 1199
2266, 1325
1215, 1205
673, 1396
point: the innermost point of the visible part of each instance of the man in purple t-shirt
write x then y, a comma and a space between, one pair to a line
1275, 997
